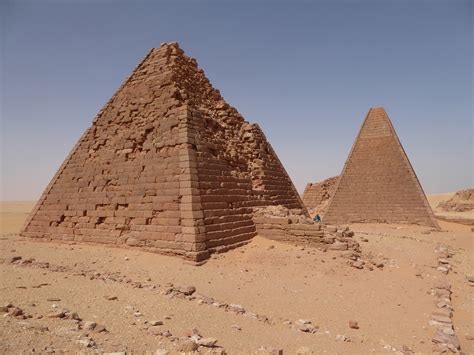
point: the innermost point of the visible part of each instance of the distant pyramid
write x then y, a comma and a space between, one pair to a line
378, 183
167, 166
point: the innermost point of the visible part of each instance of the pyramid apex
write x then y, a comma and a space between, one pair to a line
170, 44
377, 108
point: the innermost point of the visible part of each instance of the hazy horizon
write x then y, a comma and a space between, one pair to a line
306, 72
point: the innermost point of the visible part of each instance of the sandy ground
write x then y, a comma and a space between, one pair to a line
283, 282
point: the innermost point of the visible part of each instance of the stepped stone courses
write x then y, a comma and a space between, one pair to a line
378, 183
167, 166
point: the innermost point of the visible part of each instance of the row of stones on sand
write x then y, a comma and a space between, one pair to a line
153, 327
445, 339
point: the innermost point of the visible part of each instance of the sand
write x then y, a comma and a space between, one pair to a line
283, 282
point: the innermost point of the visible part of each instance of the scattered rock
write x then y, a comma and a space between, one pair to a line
441, 338
13, 259
156, 322
186, 290
87, 343
187, 346
338, 246
53, 299
359, 264
353, 324
99, 328
57, 314
236, 327
89, 325
305, 326
15, 312
207, 342
111, 298
341, 337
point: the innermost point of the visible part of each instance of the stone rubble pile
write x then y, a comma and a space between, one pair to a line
294, 226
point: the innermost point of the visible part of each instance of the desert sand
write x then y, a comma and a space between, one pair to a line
276, 284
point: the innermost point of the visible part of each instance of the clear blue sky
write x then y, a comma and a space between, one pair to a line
307, 72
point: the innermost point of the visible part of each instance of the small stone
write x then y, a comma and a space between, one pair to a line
353, 324
341, 337
443, 269
187, 346
338, 246
75, 316
87, 343
89, 325
469, 337
15, 312
111, 298
53, 299
57, 314
441, 338
99, 328
186, 290
359, 264
207, 342
470, 278
137, 314
236, 327
443, 285
441, 319
156, 322
13, 259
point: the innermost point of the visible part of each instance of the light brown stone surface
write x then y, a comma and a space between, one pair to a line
316, 196
167, 166
378, 183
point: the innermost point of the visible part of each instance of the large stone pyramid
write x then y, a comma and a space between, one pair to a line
378, 183
167, 166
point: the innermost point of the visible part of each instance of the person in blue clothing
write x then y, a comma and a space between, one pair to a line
317, 218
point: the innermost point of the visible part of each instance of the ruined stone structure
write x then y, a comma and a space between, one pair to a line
378, 183
167, 166
462, 201
316, 196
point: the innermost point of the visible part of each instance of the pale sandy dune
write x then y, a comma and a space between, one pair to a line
13, 215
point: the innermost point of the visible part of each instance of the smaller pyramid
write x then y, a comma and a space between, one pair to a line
378, 183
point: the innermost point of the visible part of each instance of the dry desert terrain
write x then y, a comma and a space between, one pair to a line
260, 298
